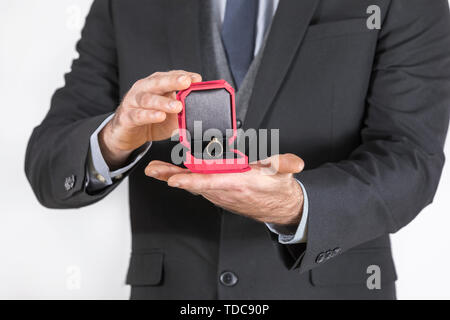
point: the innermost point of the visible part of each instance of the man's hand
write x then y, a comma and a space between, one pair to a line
147, 113
267, 193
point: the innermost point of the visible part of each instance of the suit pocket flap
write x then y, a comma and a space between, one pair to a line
355, 268
145, 269
336, 29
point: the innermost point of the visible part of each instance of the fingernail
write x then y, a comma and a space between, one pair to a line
174, 105
182, 78
153, 173
174, 184
158, 114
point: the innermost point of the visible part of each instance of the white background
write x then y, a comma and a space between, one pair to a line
83, 253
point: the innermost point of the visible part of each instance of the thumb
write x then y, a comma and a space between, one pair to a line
290, 163
283, 163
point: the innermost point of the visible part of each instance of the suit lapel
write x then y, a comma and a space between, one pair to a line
286, 35
183, 25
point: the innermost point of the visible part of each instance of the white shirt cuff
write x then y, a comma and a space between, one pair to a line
287, 236
101, 172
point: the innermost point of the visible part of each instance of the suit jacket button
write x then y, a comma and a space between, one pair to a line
69, 183
228, 279
336, 251
238, 124
320, 258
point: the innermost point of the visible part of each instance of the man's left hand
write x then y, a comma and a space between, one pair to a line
268, 192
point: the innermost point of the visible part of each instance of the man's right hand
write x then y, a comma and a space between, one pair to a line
147, 113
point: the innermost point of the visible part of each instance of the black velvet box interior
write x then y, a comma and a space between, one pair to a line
213, 108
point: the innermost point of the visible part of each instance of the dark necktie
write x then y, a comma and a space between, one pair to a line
238, 35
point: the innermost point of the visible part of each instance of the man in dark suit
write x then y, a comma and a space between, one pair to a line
367, 109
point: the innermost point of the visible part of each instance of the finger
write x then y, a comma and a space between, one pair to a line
199, 183
284, 163
153, 101
141, 117
290, 163
162, 170
195, 77
164, 82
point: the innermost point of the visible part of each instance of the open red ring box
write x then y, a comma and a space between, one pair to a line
239, 163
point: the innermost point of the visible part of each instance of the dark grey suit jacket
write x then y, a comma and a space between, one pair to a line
367, 110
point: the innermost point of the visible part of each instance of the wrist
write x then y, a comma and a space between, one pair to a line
113, 156
295, 211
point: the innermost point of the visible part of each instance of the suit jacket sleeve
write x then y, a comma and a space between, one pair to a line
395, 171
58, 147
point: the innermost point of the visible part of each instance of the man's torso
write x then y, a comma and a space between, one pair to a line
312, 85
